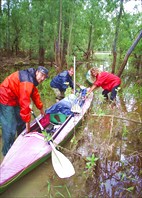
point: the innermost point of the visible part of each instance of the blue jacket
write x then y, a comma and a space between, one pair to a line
60, 80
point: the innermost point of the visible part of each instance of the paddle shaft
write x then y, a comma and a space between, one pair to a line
62, 166
59, 130
41, 127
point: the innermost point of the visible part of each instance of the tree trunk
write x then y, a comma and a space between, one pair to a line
0, 7
114, 51
69, 39
16, 42
8, 30
30, 35
129, 53
41, 45
58, 42
88, 53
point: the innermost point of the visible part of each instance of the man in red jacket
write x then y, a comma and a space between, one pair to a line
16, 92
108, 81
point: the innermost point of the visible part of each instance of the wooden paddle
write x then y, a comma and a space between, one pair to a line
62, 166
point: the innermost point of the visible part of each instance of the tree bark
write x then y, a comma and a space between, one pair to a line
69, 38
114, 51
41, 46
88, 53
8, 30
58, 42
129, 53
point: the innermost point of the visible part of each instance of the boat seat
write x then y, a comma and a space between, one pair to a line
56, 121
50, 122
57, 118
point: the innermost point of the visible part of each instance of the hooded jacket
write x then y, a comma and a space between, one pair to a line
18, 88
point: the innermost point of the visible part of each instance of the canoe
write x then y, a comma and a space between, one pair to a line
30, 150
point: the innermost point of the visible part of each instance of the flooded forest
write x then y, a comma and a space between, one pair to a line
106, 148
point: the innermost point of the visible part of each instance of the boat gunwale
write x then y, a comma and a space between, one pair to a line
36, 163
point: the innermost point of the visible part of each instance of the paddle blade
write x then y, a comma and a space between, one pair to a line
62, 166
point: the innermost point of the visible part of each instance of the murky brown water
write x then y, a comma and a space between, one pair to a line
115, 138
112, 135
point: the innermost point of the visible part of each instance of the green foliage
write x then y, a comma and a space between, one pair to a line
56, 191
47, 136
130, 189
124, 131
91, 161
68, 91
134, 90
45, 87
86, 26
74, 141
46, 92
100, 112
123, 176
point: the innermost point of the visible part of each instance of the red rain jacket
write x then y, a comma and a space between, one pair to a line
107, 80
17, 89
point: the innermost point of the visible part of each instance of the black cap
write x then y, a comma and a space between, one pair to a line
43, 70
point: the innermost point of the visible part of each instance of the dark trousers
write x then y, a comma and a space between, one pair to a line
113, 93
10, 121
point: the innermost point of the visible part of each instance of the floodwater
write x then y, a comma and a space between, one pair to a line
114, 136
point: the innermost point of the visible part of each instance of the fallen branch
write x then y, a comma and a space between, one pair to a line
117, 117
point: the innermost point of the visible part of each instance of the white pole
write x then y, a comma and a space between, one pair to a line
74, 75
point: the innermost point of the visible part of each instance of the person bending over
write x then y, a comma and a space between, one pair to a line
108, 81
60, 83
16, 92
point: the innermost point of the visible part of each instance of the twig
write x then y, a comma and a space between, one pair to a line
122, 118
111, 127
